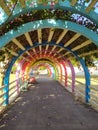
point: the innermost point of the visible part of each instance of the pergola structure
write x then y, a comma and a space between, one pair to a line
52, 32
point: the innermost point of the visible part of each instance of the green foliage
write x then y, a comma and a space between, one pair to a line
74, 61
40, 15
2, 56
89, 61
5, 54
87, 1
14, 68
42, 68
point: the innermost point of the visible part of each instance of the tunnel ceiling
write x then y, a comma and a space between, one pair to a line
48, 42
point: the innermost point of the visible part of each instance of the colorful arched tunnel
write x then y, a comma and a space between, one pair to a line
35, 34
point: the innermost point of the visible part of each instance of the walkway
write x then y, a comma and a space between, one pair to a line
48, 106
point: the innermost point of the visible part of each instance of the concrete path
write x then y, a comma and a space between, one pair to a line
48, 106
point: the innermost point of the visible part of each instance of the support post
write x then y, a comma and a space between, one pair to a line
87, 81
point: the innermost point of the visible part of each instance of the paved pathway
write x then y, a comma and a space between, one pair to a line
48, 106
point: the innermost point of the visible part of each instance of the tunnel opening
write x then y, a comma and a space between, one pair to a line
58, 39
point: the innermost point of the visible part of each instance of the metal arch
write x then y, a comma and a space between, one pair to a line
24, 67
64, 66
47, 66
23, 64
62, 5
17, 74
86, 71
52, 64
73, 75
60, 71
55, 71
87, 75
60, 68
71, 67
35, 62
56, 62
48, 23
72, 72
49, 58
6, 79
20, 64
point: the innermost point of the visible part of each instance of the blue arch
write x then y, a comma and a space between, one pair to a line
61, 5
49, 23
7, 74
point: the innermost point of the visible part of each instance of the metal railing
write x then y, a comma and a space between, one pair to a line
80, 89
20, 84
15, 88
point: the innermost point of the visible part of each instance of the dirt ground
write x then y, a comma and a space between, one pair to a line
48, 106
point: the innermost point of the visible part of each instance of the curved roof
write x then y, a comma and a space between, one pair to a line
57, 29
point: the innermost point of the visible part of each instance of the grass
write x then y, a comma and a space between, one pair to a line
12, 78
94, 80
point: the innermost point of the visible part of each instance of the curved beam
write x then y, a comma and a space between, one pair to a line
61, 5
65, 72
60, 71
18, 73
49, 23
87, 75
56, 61
73, 75
45, 65
24, 67
50, 63
69, 63
53, 64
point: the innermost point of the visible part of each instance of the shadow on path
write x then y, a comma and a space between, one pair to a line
48, 106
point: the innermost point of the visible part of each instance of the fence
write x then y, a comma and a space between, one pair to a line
15, 87
79, 92
19, 85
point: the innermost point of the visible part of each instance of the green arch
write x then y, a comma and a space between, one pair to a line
61, 5
53, 64
48, 23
